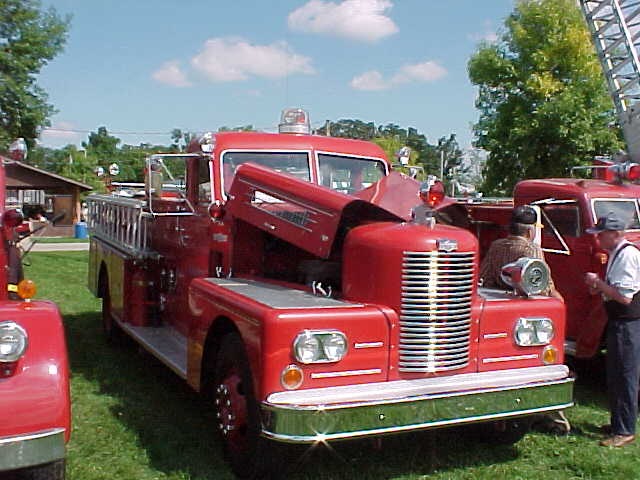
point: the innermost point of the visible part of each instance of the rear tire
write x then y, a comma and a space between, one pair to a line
238, 413
50, 471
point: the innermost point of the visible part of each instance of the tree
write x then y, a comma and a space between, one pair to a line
29, 38
542, 98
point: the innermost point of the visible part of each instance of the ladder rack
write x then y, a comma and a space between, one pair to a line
615, 30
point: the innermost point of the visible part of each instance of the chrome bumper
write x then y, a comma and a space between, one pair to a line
335, 413
30, 450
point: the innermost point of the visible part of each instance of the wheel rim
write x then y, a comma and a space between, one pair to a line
231, 407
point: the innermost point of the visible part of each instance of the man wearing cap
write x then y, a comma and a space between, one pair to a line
621, 293
518, 244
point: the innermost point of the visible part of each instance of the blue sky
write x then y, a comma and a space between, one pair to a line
142, 67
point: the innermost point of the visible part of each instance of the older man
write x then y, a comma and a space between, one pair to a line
621, 292
518, 244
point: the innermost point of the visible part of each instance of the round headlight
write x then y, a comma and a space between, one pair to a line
307, 347
335, 346
544, 330
13, 341
533, 331
525, 333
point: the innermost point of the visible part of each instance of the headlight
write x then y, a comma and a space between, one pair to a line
13, 341
530, 332
320, 346
528, 276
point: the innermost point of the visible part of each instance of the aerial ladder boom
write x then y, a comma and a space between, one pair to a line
615, 29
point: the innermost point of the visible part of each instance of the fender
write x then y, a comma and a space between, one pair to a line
36, 397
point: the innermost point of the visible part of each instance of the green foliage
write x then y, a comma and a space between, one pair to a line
29, 38
542, 97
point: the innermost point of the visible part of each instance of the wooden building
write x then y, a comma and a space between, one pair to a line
40, 193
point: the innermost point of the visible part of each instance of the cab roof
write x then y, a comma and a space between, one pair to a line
573, 187
278, 141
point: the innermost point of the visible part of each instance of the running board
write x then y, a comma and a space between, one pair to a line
165, 343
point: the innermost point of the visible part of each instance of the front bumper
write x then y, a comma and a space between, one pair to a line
335, 413
33, 449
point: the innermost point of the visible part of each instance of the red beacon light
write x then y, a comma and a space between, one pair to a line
432, 192
625, 171
294, 120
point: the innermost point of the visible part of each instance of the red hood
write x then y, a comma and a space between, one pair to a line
398, 194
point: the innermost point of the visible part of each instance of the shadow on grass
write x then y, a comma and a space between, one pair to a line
172, 422
175, 425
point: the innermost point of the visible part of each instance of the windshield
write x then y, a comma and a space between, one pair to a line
293, 163
348, 174
626, 209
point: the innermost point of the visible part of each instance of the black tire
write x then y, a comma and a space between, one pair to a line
237, 412
111, 329
50, 471
502, 432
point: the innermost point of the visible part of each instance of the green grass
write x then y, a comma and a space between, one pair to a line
134, 419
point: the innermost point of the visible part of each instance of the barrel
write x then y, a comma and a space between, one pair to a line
80, 230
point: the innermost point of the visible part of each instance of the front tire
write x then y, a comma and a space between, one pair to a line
237, 411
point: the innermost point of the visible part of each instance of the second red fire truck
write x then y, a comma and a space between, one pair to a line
282, 275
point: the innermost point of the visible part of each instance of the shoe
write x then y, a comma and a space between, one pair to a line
618, 440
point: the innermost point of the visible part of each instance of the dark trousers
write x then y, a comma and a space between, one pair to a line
623, 374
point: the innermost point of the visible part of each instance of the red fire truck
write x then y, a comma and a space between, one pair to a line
569, 206
34, 372
281, 274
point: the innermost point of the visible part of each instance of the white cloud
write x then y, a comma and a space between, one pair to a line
59, 133
369, 81
363, 20
170, 73
419, 72
233, 59
373, 80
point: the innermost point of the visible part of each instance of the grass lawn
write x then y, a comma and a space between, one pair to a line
134, 419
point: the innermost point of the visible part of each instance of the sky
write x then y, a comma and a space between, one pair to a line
142, 68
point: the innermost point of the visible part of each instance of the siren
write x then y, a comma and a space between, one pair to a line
294, 120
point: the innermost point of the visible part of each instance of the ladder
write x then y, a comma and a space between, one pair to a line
615, 30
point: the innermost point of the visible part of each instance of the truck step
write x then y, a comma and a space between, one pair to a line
165, 343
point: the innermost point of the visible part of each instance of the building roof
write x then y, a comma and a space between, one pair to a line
23, 175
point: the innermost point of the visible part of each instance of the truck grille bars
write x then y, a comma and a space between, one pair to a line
120, 222
435, 316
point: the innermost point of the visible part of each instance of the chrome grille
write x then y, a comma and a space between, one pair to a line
435, 316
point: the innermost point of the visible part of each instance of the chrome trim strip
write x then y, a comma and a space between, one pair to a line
33, 449
320, 422
346, 373
368, 344
491, 336
396, 389
508, 359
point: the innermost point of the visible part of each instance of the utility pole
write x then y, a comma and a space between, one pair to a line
441, 164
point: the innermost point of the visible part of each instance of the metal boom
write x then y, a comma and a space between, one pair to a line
615, 29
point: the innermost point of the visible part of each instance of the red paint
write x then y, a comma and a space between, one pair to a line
36, 396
